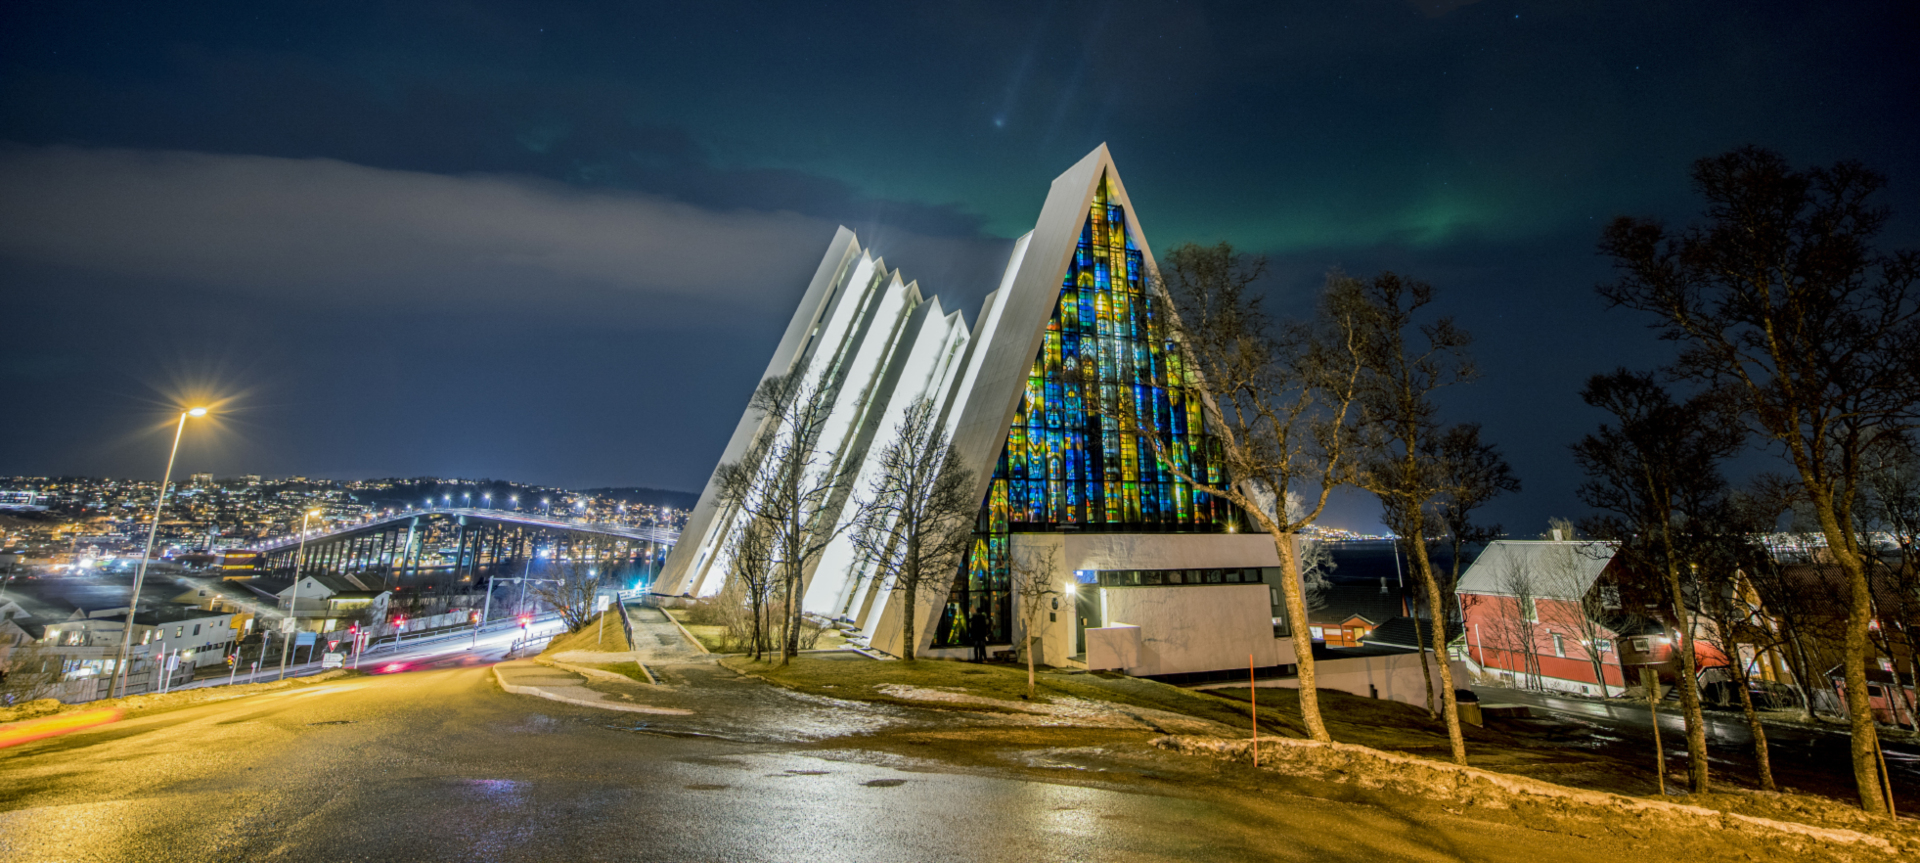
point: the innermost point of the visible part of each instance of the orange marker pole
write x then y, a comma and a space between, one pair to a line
1253, 697
54, 726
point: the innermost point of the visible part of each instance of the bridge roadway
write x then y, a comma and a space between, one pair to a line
657, 535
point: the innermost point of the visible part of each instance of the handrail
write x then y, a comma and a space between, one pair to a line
626, 623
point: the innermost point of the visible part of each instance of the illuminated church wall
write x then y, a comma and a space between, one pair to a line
1072, 325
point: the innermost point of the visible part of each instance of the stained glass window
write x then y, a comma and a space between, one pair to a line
1064, 465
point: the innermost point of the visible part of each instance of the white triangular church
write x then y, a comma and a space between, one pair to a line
1157, 578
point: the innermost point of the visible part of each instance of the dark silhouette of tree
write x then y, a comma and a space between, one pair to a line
1781, 297
1408, 355
1472, 473
1656, 473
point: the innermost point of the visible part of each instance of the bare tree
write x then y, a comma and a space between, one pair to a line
1733, 614
1033, 574
28, 672
571, 593
751, 568
1656, 473
1471, 474
1520, 629
1407, 358
1277, 398
785, 480
916, 521
1316, 564
1781, 297
1891, 527
1582, 604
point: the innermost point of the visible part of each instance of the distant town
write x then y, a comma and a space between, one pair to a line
58, 523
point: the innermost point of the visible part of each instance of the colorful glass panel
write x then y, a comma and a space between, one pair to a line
1066, 467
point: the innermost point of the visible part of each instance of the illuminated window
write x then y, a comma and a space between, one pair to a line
1105, 363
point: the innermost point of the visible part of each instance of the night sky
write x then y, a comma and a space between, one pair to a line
556, 242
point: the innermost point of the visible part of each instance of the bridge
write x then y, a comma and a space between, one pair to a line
462, 546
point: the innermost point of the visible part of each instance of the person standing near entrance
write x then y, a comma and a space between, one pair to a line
977, 633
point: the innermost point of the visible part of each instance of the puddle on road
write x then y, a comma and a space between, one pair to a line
333, 722
665, 731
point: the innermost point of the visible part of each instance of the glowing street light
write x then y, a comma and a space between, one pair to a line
489, 500
126, 638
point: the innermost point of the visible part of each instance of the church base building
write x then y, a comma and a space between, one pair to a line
1151, 576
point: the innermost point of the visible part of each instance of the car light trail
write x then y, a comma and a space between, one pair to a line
54, 726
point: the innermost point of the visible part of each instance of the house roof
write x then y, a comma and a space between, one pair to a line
333, 584
1408, 632
1547, 569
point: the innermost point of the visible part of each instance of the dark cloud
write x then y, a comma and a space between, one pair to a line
324, 232
557, 240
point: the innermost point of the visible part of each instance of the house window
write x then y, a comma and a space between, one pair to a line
196, 629
1559, 646
1530, 609
179, 631
1640, 644
1603, 645
1609, 596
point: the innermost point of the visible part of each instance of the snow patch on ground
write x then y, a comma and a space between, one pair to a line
1372, 768
1063, 711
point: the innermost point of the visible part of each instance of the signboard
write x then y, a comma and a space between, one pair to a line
286, 624
304, 639
601, 602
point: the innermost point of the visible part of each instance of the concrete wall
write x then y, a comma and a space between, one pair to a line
1395, 677
1207, 627
1167, 624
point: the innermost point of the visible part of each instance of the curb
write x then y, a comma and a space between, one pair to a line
683, 632
581, 702
602, 673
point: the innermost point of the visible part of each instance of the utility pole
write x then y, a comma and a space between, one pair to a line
293, 605
133, 601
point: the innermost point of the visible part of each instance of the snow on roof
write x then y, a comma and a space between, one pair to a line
1548, 569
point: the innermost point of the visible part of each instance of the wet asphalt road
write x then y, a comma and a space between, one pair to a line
1807, 759
442, 765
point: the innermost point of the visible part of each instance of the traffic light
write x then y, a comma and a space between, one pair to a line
525, 619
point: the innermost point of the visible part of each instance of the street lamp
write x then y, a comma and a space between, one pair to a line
467, 497
546, 507
133, 603
488, 498
293, 605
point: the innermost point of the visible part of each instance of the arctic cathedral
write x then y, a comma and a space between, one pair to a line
1154, 577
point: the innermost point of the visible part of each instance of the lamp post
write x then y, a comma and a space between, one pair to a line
293, 605
488, 498
160, 500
